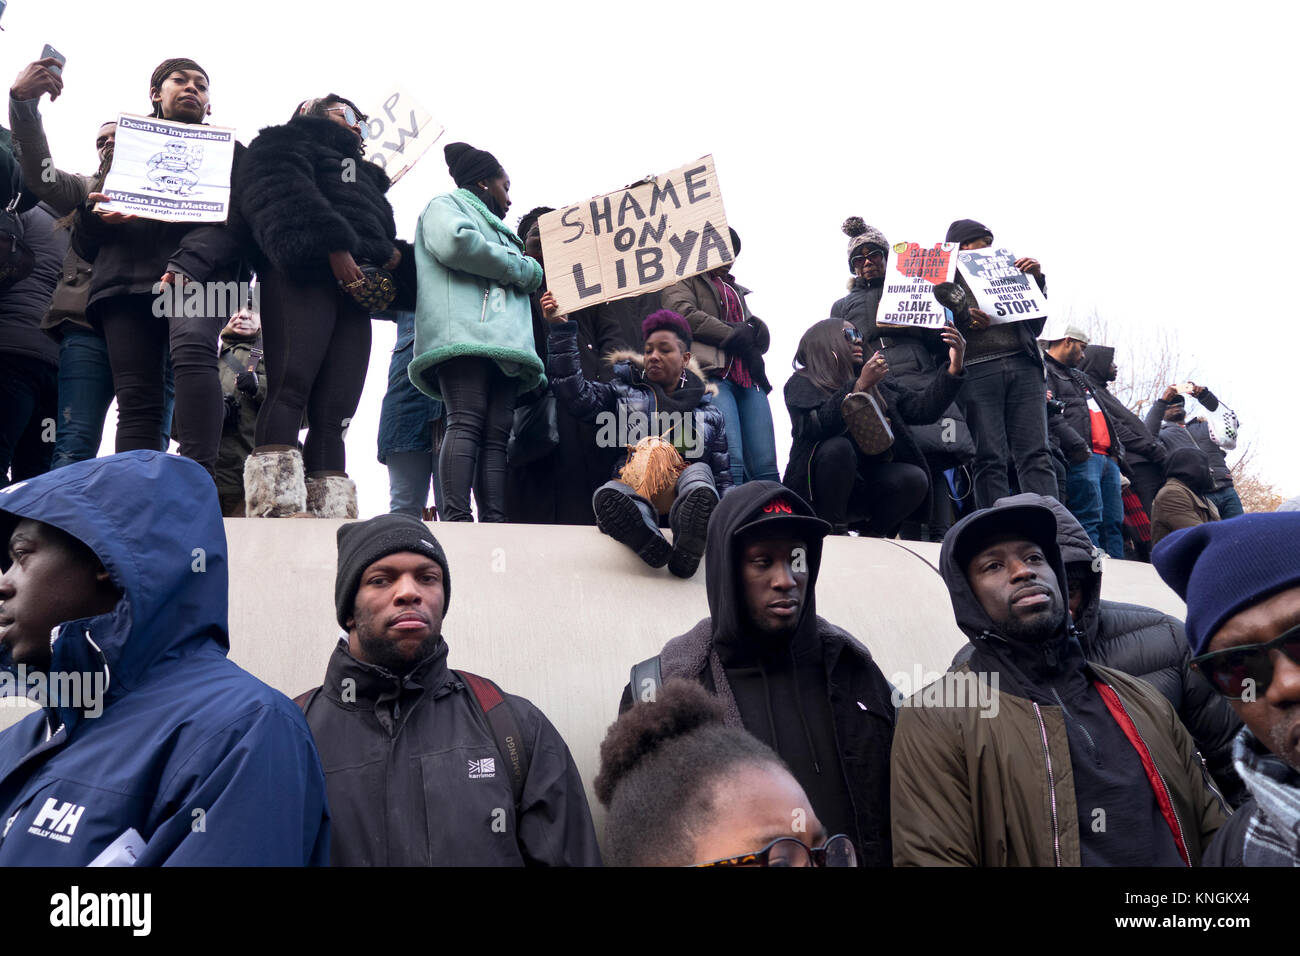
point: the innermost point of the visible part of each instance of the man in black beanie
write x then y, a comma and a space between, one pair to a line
1004, 398
423, 764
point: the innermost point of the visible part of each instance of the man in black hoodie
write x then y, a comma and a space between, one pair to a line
806, 688
1144, 456
1075, 764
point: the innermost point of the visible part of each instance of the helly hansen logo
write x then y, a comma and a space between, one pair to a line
478, 769
57, 821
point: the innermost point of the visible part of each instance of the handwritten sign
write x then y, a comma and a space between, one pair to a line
176, 172
914, 270
398, 133
1001, 290
635, 240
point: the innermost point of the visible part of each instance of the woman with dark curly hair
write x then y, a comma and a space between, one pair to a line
317, 212
681, 788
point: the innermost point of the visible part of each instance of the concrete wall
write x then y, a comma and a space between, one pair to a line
559, 614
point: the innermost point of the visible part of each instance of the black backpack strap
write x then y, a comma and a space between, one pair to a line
505, 729
646, 679
304, 699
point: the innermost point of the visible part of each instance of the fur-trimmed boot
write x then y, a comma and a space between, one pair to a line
332, 496
689, 518
273, 484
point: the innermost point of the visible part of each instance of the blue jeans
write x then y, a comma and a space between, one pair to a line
751, 439
1097, 500
1227, 501
85, 393
410, 475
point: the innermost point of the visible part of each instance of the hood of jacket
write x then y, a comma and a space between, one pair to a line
153, 521
1025, 666
1076, 548
733, 633
1191, 466
1096, 363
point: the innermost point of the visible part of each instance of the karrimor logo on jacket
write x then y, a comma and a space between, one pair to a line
478, 769
57, 821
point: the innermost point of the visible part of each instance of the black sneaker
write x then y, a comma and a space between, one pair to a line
618, 516
690, 528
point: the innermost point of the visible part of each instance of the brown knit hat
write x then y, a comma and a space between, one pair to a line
165, 69
860, 234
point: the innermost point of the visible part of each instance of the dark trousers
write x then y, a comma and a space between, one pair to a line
1005, 403
28, 392
1148, 479
138, 344
317, 343
86, 392
480, 401
849, 488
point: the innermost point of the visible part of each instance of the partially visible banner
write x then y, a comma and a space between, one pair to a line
632, 241
176, 172
913, 272
398, 132
1001, 290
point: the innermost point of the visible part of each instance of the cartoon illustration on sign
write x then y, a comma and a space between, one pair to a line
174, 169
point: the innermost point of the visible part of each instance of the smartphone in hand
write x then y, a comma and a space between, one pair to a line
49, 51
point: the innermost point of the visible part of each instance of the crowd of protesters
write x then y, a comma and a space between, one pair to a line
1007, 446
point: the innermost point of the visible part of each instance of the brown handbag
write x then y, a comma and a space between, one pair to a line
868, 425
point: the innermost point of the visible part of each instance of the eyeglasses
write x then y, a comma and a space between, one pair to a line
1244, 673
349, 114
787, 851
852, 336
875, 257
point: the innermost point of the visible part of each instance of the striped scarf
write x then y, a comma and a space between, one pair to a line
1273, 833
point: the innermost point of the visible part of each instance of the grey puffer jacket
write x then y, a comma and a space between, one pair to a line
628, 388
1148, 644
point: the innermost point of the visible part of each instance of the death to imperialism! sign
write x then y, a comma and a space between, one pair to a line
636, 240
176, 172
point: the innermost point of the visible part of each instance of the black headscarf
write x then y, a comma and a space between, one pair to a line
165, 69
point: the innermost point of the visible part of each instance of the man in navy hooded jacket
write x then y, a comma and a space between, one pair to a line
151, 747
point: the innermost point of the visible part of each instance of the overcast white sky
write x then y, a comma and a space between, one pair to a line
1142, 151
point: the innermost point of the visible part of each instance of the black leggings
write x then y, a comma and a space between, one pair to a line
480, 401
317, 343
138, 342
885, 492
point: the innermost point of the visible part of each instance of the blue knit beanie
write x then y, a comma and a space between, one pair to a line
1223, 567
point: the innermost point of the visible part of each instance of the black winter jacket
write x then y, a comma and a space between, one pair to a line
406, 782
306, 191
1151, 645
815, 416
1195, 434
23, 304
130, 257
1072, 429
1140, 448
587, 399
861, 709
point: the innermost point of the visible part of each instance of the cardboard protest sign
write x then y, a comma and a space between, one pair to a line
398, 133
176, 172
910, 278
636, 240
1001, 290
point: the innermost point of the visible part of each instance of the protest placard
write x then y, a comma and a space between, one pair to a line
636, 240
1001, 290
176, 172
913, 272
398, 132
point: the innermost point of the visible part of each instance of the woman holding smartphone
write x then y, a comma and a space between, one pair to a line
318, 213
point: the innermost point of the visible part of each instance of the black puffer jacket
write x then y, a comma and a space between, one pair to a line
1148, 644
130, 257
24, 303
1140, 447
815, 416
628, 388
306, 191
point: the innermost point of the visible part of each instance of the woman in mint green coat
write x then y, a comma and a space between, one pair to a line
474, 346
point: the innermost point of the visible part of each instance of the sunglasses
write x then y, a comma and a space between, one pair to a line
875, 257
349, 114
787, 851
1244, 673
852, 336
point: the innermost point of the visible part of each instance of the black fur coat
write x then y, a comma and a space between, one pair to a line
305, 191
